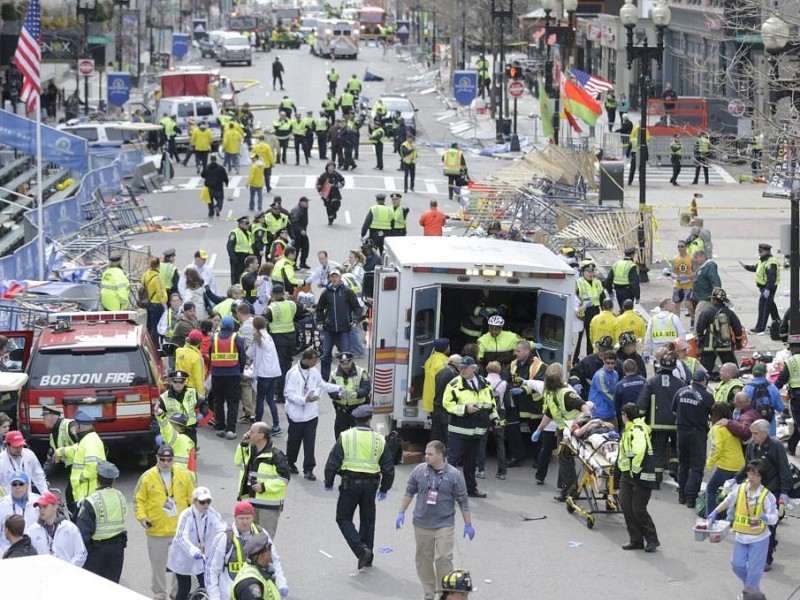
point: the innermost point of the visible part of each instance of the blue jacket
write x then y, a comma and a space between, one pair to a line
601, 393
627, 390
236, 371
774, 397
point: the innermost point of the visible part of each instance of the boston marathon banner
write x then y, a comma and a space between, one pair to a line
60, 147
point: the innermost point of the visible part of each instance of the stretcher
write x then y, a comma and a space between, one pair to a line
596, 456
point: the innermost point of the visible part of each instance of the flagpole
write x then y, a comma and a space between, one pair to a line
39, 191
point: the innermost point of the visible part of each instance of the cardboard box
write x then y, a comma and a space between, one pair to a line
410, 457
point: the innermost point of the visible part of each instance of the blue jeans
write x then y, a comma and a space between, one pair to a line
231, 161
717, 479
265, 391
748, 562
259, 193
340, 339
356, 345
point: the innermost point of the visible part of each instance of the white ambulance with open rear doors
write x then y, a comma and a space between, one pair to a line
426, 288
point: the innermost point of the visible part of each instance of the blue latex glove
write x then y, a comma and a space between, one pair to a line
469, 531
400, 520
785, 499
329, 489
382, 496
198, 556
284, 592
763, 518
516, 391
712, 516
536, 435
536, 346
765, 293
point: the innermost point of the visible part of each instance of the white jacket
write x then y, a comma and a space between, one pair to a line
27, 463
187, 540
196, 296
218, 580
264, 357
7, 508
300, 383
205, 272
66, 544
320, 274
662, 321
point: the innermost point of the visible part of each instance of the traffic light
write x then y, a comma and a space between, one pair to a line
514, 71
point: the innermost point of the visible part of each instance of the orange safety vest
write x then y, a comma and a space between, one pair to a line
225, 353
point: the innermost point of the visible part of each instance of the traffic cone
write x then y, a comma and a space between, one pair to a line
205, 420
192, 465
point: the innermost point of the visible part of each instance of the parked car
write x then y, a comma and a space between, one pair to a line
235, 49
399, 103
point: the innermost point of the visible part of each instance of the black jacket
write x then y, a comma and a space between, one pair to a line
20, 548
691, 406
778, 478
663, 387
441, 380
705, 318
214, 177
299, 220
337, 307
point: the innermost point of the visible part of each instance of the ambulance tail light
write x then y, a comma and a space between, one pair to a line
389, 284
132, 398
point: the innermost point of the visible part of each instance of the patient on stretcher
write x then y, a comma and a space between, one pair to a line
597, 434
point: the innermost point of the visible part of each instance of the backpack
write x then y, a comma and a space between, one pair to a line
762, 401
721, 331
775, 330
142, 299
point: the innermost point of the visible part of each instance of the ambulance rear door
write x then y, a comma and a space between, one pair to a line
422, 327
553, 326
384, 327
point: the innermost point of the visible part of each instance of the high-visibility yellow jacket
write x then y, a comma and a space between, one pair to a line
84, 457
255, 179
189, 360
151, 494
435, 363
602, 324
152, 282
201, 139
115, 289
231, 140
264, 151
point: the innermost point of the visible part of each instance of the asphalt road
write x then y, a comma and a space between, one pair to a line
526, 546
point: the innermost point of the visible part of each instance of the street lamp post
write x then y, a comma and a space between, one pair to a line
775, 35
87, 12
565, 37
500, 74
121, 5
644, 55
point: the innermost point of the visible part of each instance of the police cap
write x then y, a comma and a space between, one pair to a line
107, 470
83, 416
115, 257
169, 252
256, 544
630, 251
362, 412
380, 197
49, 410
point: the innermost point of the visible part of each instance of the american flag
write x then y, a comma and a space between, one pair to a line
593, 85
28, 57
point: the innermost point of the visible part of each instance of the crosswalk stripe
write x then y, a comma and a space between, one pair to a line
235, 181
194, 183
389, 183
311, 182
274, 180
349, 182
430, 187
376, 183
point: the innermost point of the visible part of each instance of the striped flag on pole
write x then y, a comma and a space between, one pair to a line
28, 57
590, 83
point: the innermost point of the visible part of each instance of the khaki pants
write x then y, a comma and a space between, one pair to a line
434, 557
701, 306
158, 551
247, 397
268, 519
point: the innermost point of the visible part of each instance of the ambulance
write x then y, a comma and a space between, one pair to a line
104, 363
428, 287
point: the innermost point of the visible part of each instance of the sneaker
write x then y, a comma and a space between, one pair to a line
756, 331
221, 433
501, 476
245, 419
480, 473
540, 482
293, 470
275, 431
230, 435
309, 475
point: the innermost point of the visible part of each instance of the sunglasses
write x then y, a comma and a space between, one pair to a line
163, 459
204, 502
18, 484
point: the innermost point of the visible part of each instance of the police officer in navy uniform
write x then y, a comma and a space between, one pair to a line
364, 461
102, 523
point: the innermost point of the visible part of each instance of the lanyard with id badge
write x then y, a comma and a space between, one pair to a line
433, 490
169, 504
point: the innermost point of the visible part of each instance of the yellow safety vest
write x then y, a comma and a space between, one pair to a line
347, 100
227, 358
329, 104
185, 407
283, 313
321, 124
554, 401
663, 329
381, 217
621, 270
703, 145
85, 456
274, 223
742, 515
628, 460
244, 241
299, 128
452, 162
269, 591
589, 291
283, 128
399, 218
362, 450
724, 389
354, 85
333, 76
234, 566
793, 364
63, 437
167, 270
350, 384
411, 157
110, 513
114, 289
761, 271
264, 472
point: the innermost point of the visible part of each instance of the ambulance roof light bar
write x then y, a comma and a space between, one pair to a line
92, 316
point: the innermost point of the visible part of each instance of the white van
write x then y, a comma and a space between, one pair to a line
181, 108
110, 134
426, 288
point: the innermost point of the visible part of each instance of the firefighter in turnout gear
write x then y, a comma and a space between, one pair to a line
497, 344
102, 523
655, 402
355, 382
719, 332
364, 461
469, 400
623, 279
522, 403
675, 152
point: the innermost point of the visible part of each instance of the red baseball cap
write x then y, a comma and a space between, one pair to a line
195, 334
243, 508
15, 439
46, 499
